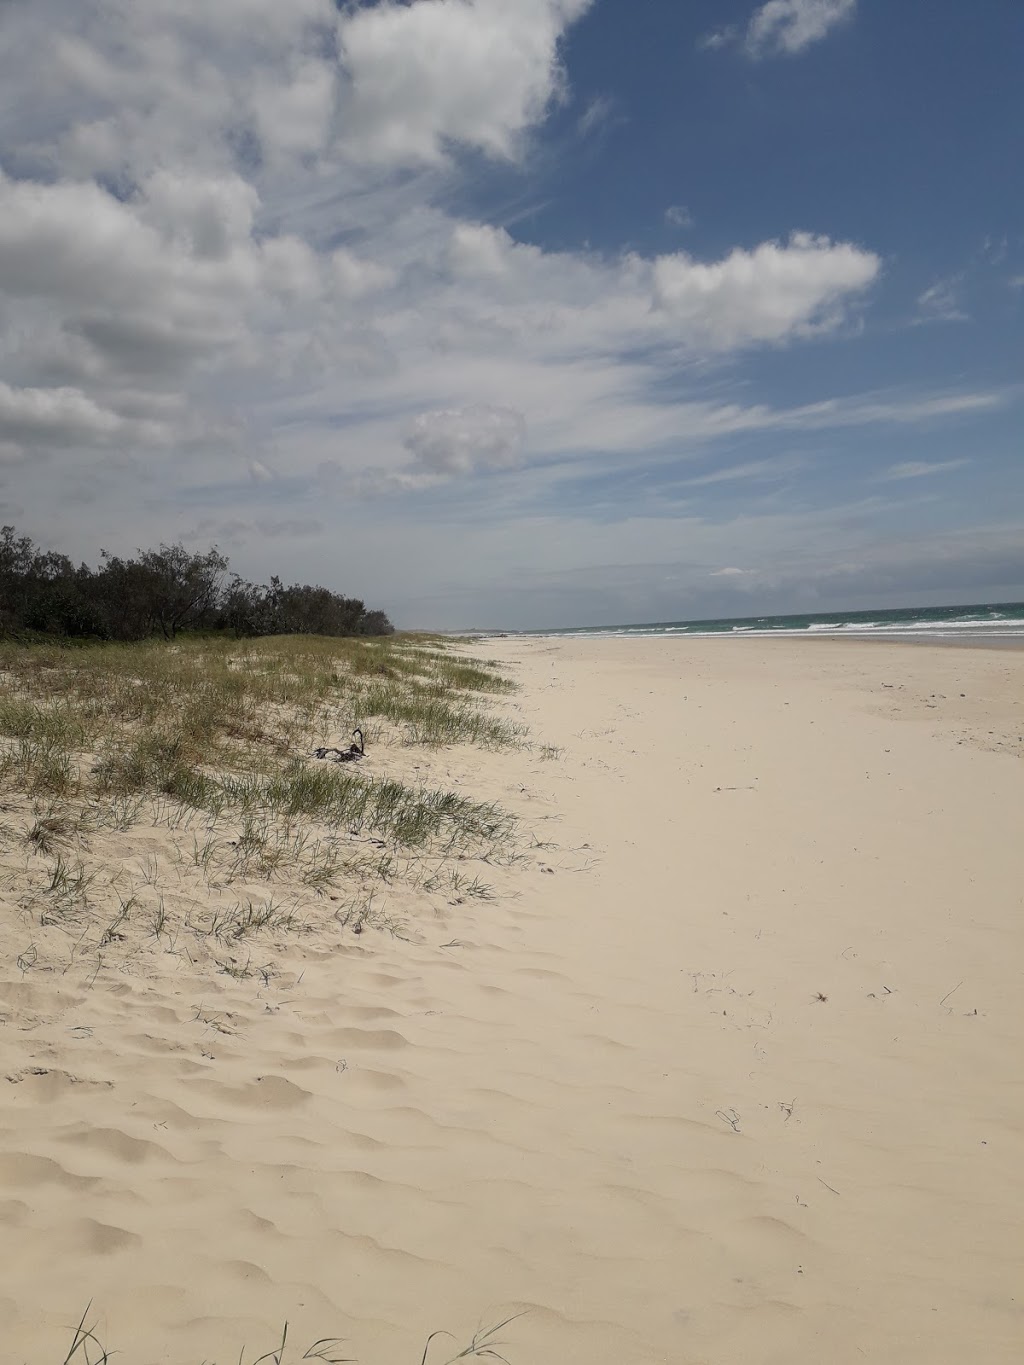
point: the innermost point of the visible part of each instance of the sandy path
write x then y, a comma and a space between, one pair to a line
614, 1098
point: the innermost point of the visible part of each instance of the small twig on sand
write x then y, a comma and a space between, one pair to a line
827, 1185
949, 993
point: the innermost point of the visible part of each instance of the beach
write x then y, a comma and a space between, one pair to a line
725, 1067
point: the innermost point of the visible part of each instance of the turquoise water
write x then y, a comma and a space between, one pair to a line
995, 621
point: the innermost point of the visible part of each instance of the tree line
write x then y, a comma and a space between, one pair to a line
161, 592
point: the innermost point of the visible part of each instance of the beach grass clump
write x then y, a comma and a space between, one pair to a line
429, 718
460, 675
49, 832
451, 881
485, 1344
222, 697
21, 719
39, 767
409, 816
249, 918
153, 707
208, 741
64, 895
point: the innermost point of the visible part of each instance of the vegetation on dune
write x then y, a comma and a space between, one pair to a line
210, 739
154, 709
217, 723
485, 1344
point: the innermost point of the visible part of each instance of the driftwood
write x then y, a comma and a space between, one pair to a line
352, 754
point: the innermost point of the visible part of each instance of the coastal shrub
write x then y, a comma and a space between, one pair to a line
162, 592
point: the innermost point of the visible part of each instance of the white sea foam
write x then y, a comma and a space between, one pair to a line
1005, 629
992, 627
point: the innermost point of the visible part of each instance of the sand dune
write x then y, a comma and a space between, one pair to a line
729, 1071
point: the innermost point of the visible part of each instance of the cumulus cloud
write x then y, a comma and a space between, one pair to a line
767, 295
783, 27
128, 298
145, 86
477, 72
465, 440
786, 27
774, 291
62, 418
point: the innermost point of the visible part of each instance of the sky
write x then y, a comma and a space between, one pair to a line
522, 313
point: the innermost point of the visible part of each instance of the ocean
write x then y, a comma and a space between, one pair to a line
1000, 621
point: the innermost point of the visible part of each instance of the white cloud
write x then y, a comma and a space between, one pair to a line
356, 277
731, 572
775, 291
787, 27
598, 112
679, 216
721, 37
919, 469
464, 440
940, 302
160, 84
479, 250
56, 417
203, 216
259, 473
881, 408
23, 411
774, 467
479, 72
783, 27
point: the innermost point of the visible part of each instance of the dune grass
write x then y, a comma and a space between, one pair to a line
159, 711
215, 726
212, 740
485, 1344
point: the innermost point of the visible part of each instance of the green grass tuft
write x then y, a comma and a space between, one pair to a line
87, 1349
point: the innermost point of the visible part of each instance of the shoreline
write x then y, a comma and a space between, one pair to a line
964, 642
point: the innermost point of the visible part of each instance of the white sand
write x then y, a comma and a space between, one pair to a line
611, 1097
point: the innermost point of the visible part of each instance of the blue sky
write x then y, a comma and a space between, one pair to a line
522, 312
